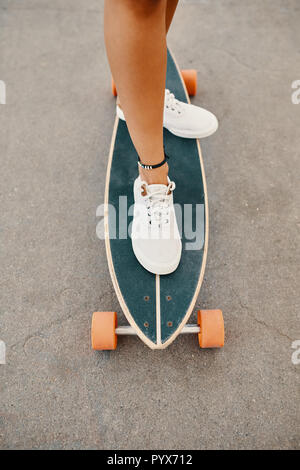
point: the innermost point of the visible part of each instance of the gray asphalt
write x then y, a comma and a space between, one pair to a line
55, 132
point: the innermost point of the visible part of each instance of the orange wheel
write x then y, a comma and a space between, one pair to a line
113, 87
190, 79
104, 330
211, 324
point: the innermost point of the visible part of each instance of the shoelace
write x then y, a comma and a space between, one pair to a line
171, 102
157, 204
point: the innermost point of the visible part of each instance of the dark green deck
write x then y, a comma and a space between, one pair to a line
134, 281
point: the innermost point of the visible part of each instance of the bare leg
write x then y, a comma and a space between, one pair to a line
135, 36
170, 10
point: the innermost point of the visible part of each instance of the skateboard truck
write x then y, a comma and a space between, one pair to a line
210, 330
129, 330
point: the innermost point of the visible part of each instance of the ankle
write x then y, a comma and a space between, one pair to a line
156, 176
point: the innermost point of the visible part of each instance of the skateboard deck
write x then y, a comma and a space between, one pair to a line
157, 307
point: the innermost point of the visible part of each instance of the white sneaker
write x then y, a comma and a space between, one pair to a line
185, 120
155, 236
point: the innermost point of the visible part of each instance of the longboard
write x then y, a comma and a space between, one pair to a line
157, 307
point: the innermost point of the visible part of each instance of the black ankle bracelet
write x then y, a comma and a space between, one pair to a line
152, 167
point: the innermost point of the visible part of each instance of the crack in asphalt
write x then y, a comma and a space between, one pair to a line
261, 322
